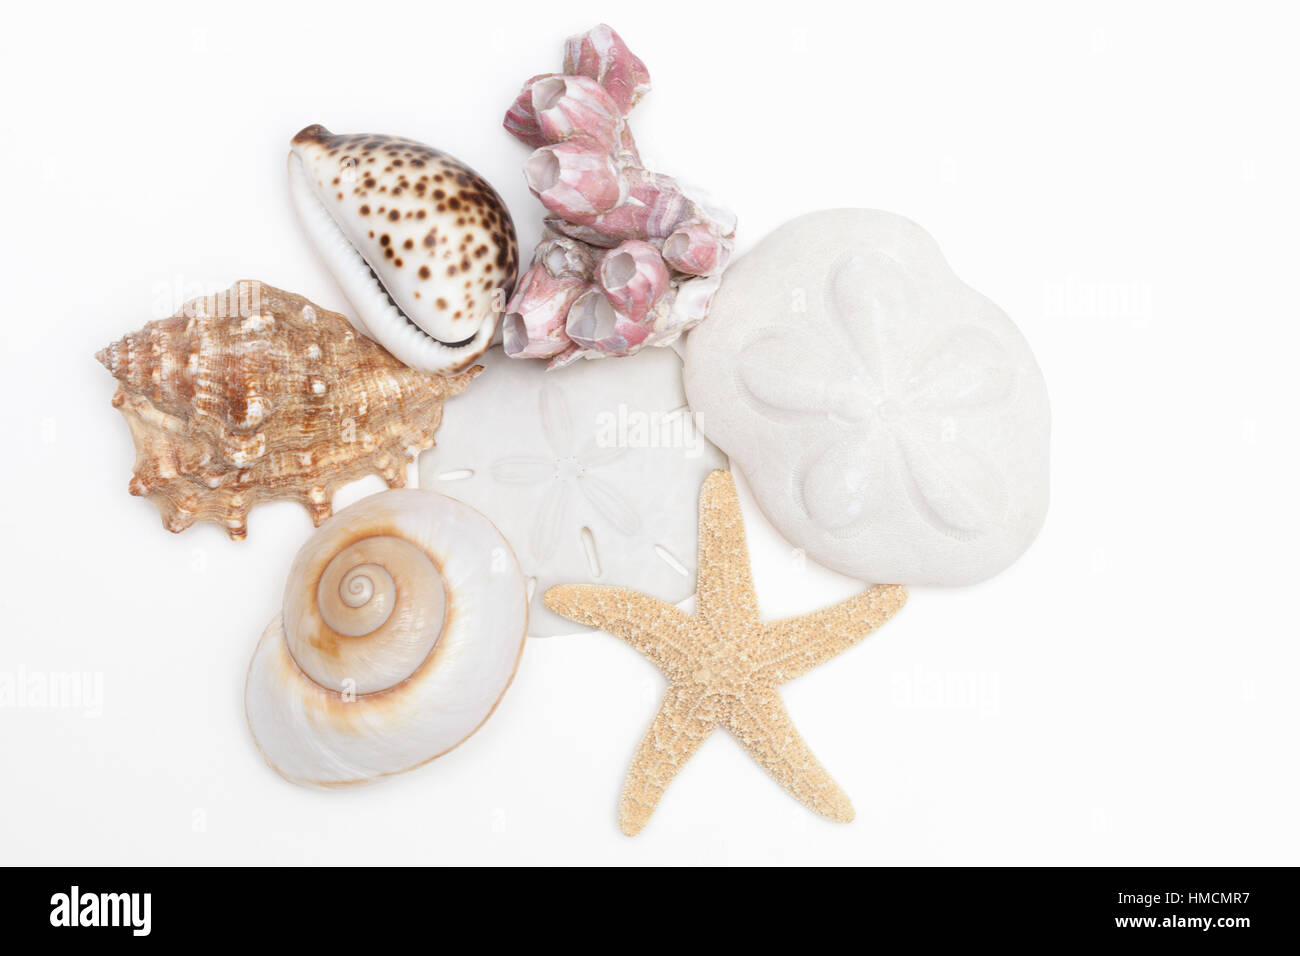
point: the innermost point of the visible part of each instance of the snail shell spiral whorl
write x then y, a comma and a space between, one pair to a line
404, 617
373, 616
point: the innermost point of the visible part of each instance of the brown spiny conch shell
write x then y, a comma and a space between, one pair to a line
404, 618
256, 394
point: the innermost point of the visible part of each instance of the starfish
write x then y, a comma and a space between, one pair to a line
723, 665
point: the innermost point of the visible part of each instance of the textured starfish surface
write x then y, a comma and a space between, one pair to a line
723, 665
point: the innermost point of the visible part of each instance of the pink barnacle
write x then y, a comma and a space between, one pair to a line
696, 249
601, 54
648, 254
569, 106
521, 118
533, 326
633, 277
594, 323
563, 256
577, 179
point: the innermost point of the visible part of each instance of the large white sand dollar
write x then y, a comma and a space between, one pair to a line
891, 421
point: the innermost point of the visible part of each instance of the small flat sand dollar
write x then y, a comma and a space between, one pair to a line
891, 421
591, 472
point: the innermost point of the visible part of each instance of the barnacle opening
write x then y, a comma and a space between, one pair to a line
617, 270
677, 245
591, 318
542, 170
514, 333
547, 92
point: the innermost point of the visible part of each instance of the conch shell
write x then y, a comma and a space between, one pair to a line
256, 394
422, 245
404, 619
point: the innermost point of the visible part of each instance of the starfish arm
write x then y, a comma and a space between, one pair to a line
795, 645
676, 733
657, 630
765, 729
724, 585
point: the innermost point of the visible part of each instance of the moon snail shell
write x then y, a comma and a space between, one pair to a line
404, 618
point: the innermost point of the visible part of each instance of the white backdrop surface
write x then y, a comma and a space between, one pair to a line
1119, 177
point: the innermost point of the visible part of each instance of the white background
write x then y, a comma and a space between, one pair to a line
1121, 178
